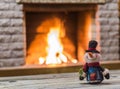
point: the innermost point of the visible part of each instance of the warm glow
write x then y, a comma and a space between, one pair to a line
74, 61
49, 49
41, 60
55, 48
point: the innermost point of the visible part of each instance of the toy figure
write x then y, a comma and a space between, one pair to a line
92, 70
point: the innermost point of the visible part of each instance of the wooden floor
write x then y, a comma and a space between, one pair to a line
57, 81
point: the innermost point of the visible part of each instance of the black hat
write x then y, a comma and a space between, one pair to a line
92, 46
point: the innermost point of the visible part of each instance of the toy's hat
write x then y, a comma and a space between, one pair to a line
92, 46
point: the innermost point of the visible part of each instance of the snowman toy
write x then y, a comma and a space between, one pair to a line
92, 70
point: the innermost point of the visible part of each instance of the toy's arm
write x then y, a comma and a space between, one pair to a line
82, 74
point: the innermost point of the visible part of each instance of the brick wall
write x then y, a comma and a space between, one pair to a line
11, 33
109, 23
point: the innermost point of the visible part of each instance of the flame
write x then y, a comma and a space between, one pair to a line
74, 61
41, 60
51, 50
54, 49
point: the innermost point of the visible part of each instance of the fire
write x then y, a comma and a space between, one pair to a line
54, 49
48, 46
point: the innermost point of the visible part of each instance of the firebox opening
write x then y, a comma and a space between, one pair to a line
57, 37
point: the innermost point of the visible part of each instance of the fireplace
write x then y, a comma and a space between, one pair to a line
58, 33
69, 23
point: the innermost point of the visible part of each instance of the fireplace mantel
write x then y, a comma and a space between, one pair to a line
62, 1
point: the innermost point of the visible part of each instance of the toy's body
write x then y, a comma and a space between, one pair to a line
92, 70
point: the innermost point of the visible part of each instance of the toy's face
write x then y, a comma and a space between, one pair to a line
92, 57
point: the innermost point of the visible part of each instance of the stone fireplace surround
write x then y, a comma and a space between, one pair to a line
77, 21
12, 36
